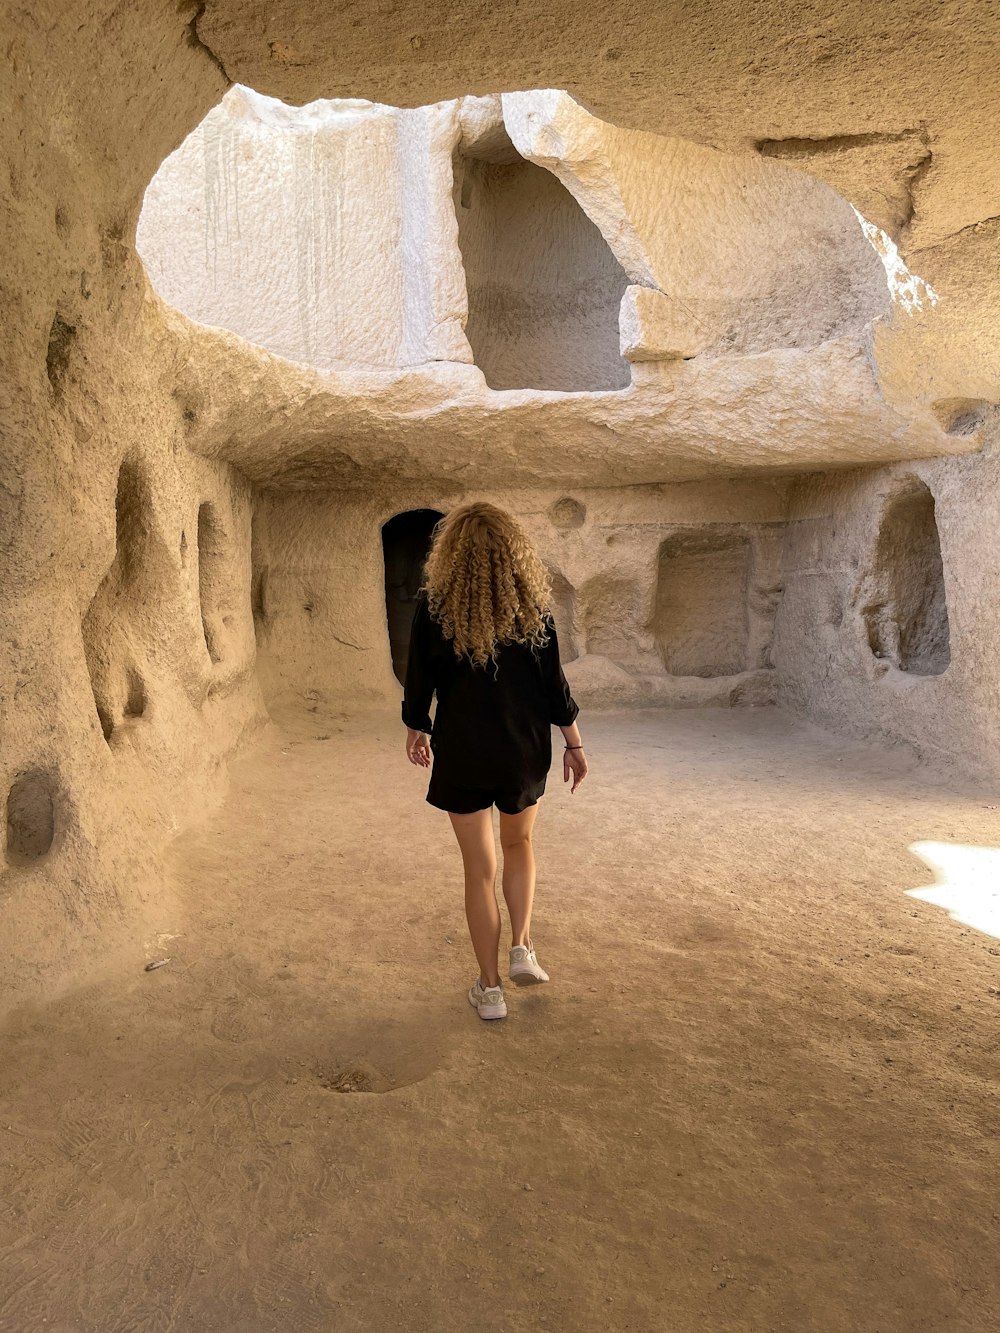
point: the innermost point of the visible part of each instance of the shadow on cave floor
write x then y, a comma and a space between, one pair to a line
759, 1093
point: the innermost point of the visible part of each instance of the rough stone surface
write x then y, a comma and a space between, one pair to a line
758, 255
732, 81
544, 289
322, 629
652, 327
345, 233
325, 234
274, 1128
786, 490
137, 657
838, 650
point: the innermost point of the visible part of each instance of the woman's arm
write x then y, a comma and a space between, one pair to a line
563, 712
575, 764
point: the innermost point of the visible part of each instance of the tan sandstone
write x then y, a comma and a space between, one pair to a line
707, 295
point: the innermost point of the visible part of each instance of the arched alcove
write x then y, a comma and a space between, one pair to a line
907, 615
562, 604
544, 289
406, 540
118, 688
610, 611
211, 577
701, 615
259, 574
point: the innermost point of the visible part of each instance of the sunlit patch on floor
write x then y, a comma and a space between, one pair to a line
967, 883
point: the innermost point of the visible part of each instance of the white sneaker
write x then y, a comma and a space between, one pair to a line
524, 967
488, 1000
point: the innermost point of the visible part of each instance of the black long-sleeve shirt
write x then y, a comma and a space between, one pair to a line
493, 724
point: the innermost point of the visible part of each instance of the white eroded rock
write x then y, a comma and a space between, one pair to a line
762, 255
653, 327
324, 233
785, 409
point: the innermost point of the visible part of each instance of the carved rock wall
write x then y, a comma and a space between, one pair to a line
131, 631
891, 602
324, 640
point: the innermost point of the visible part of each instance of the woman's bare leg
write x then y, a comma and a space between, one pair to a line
518, 870
479, 856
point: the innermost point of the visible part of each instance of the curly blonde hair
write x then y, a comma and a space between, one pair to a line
485, 584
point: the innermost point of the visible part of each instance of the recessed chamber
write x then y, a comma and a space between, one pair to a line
907, 616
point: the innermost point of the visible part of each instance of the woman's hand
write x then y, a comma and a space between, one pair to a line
418, 748
575, 766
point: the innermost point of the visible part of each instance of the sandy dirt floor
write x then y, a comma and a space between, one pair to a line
759, 1094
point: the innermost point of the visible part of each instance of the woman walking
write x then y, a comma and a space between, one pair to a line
483, 640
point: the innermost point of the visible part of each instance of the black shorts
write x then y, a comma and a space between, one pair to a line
466, 800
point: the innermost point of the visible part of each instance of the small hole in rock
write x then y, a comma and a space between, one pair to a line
355, 1078
61, 339
30, 817
567, 514
119, 591
562, 605
961, 416
135, 700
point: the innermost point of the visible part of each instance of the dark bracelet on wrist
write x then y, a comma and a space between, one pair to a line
574, 747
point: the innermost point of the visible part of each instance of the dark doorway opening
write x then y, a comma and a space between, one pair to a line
406, 539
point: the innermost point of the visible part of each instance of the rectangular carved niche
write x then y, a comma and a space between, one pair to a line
544, 289
701, 617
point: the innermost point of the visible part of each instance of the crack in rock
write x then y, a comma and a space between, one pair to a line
195, 40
